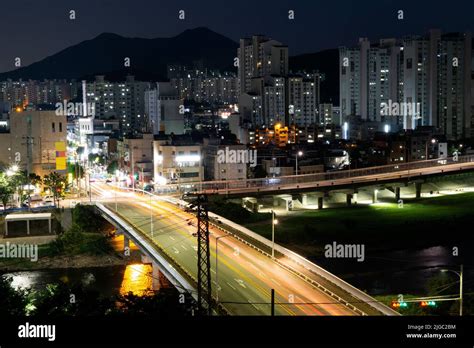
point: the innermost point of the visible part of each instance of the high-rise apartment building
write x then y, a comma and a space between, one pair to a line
263, 71
211, 87
303, 99
412, 82
33, 92
164, 109
123, 100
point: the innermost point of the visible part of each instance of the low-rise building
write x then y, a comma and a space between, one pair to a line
35, 141
177, 161
136, 159
226, 161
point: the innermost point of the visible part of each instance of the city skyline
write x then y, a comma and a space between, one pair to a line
192, 161
49, 30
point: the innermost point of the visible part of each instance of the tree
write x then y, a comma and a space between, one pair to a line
112, 167
7, 189
12, 301
76, 170
35, 179
87, 219
57, 184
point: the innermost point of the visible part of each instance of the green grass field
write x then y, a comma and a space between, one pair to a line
383, 226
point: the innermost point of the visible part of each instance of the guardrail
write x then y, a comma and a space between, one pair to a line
300, 260
140, 241
178, 281
292, 256
308, 265
267, 183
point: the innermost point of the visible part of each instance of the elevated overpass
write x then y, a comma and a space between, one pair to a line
414, 172
246, 272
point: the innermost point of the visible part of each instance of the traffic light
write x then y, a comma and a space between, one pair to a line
397, 304
428, 304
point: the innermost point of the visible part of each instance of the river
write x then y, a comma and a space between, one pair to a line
111, 280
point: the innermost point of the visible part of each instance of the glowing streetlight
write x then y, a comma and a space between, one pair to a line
433, 141
299, 154
274, 222
12, 170
217, 273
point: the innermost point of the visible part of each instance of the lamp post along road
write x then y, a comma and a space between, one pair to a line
90, 188
217, 273
274, 222
151, 216
460, 275
298, 154
432, 141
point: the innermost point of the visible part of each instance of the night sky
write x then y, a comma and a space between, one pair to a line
34, 29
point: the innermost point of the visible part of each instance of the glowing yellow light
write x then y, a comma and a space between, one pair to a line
137, 280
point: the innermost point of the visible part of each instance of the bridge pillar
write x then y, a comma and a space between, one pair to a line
397, 193
276, 201
418, 189
146, 259
126, 243
320, 203
159, 279
349, 199
374, 196
304, 199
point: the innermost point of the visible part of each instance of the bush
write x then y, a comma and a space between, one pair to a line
75, 241
12, 302
235, 212
87, 219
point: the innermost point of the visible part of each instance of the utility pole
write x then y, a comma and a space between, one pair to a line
204, 263
29, 143
272, 310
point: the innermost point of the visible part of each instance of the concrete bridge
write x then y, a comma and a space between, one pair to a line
246, 272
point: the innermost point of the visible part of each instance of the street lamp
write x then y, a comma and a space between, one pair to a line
274, 222
217, 279
12, 170
460, 275
299, 154
90, 188
151, 216
433, 141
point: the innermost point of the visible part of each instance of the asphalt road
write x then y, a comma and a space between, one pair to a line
245, 276
308, 181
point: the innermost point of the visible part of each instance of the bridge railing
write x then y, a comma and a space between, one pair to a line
288, 254
275, 182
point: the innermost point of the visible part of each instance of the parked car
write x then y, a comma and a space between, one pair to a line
149, 188
48, 199
35, 197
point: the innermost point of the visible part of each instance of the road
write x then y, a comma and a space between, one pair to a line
369, 175
245, 276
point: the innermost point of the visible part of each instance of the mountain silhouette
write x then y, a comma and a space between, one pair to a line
106, 54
